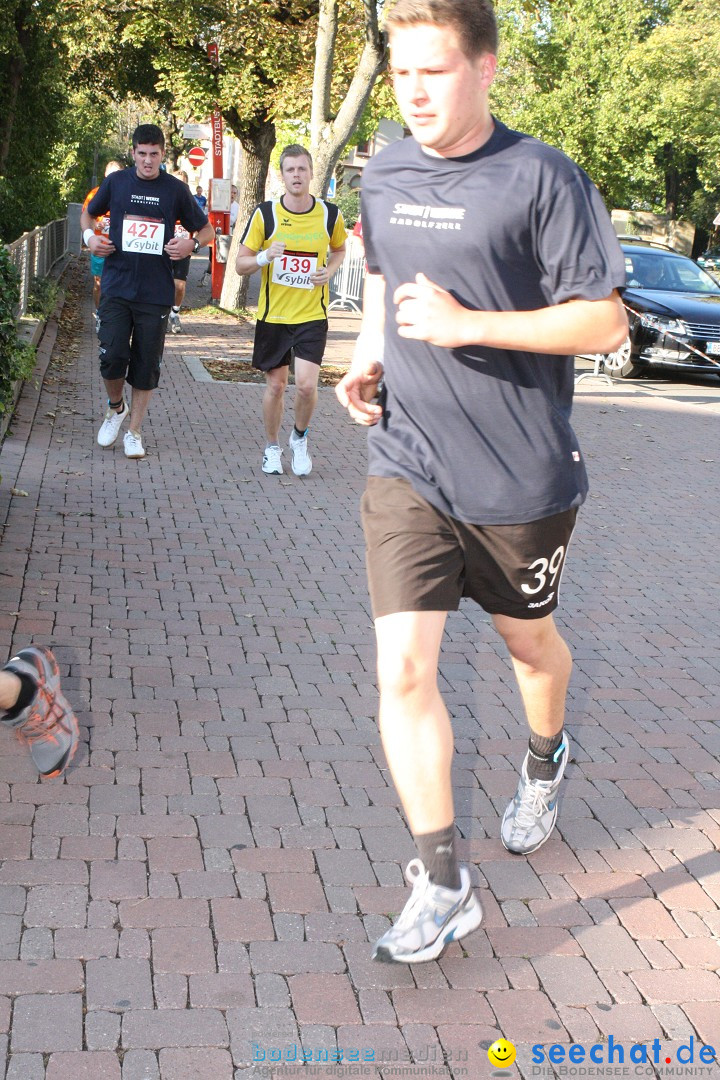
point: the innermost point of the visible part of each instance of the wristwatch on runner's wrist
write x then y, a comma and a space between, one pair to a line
196, 245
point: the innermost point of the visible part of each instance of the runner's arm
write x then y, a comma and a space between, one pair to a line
427, 312
247, 263
357, 390
96, 244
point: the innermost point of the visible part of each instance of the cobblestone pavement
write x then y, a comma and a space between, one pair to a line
197, 898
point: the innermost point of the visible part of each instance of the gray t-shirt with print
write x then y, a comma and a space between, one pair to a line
484, 434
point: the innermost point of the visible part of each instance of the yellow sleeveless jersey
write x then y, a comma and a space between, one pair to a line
286, 293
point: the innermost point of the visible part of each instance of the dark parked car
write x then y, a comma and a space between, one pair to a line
673, 309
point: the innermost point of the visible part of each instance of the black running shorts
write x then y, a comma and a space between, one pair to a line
420, 559
132, 339
275, 343
181, 268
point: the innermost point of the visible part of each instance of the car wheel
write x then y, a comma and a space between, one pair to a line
621, 363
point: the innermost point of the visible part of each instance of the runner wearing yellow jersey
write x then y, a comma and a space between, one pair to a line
299, 242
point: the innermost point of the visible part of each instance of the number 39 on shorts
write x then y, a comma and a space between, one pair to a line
545, 571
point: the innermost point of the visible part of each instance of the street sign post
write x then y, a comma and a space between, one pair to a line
196, 156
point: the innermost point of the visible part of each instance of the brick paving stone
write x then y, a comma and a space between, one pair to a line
26, 1067
190, 953
43, 977
527, 1014
85, 1065
255, 1032
677, 889
696, 952
151, 913
466, 973
206, 884
46, 1023
295, 957
85, 944
222, 990
302, 893
569, 980
668, 987
441, 1006
588, 886
513, 879
150, 825
116, 881
367, 974
274, 860
532, 941
627, 1023
609, 947
119, 984
703, 1016
242, 920
645, 918
196, 1064
54, 906
140, 1065
164, 1028
322, 998
102, 1030
174, 854
345, 868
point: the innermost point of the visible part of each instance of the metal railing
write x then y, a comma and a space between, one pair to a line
347, 284
35, 253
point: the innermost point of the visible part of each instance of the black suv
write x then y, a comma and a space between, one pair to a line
673, 309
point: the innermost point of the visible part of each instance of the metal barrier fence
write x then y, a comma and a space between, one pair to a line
347, 284
35, 253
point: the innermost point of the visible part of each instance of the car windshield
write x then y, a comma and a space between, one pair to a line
656, 270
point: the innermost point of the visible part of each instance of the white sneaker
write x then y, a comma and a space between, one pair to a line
431, 919
301, 460
530, 818
96, 318
133, 445
175, 326
272, 460
110, 428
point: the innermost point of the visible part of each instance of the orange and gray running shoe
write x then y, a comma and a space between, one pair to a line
48, 725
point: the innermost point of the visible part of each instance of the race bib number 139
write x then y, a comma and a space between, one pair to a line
293, 268
142, 235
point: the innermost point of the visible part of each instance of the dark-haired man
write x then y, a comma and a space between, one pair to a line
492, 261
144, 203
299, 242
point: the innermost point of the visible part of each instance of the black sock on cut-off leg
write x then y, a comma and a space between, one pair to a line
28, 690
437, 851
541, 763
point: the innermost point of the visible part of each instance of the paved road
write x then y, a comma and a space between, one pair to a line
203, 888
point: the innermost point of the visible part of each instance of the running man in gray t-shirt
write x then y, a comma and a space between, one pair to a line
492, 261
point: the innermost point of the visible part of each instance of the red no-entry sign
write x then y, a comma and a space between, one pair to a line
196, 156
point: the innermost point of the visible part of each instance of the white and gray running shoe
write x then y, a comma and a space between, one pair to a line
301, 460
272, 462
431, 919
530, 817
175, 325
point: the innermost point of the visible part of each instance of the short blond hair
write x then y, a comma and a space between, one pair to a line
295, 150
473, 21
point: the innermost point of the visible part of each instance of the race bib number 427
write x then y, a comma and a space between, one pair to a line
142, 235
294, 268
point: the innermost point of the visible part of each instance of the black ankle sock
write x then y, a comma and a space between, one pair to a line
437, 851
541, 764
300, 434
116, 404
27, 693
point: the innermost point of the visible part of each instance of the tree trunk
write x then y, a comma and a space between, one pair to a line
329, 135
672, 181
15, 71
257, 142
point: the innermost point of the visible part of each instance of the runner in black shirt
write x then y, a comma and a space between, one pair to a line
491, 262
137, 286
